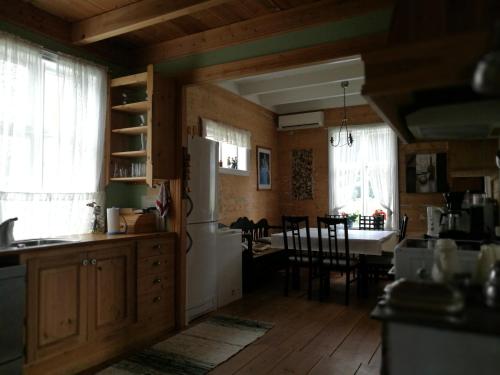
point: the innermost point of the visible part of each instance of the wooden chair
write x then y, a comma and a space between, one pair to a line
333, 259
256, 269
262, 230
371, 222
298, 254
381, 265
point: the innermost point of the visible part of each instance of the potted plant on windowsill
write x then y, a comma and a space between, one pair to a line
351, 218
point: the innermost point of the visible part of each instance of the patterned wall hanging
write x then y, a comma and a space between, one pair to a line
302, 174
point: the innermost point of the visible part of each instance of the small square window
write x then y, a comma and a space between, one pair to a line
233, 159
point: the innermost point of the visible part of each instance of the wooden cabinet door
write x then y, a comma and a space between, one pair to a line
111, 289
57, 304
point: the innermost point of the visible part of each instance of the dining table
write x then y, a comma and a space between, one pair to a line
362, 242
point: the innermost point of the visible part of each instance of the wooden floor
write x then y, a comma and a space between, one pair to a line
309, 337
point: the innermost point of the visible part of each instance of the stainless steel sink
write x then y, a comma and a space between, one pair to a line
40, 242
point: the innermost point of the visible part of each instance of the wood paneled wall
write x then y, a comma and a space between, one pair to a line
238, 195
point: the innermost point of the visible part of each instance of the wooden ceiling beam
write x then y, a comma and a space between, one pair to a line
27, 16
134, 17
260, 27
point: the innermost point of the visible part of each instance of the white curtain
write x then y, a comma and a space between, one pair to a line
371, 165
225, 133
52, 118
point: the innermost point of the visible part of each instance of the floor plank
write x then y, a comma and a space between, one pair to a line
308, 337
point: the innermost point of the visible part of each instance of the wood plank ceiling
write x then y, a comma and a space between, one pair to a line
226, 13
152, 31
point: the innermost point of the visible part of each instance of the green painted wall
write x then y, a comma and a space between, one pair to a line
330, 32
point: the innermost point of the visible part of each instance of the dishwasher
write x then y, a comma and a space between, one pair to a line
12, 311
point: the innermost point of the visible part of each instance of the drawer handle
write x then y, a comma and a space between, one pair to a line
157, 247
157, 281
157, 263
156, 299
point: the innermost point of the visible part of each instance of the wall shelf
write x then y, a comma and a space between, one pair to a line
130, 154
136, 107
128, 179
135, 130
133, 80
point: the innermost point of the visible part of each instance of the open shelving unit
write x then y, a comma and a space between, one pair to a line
130, 119
136, 102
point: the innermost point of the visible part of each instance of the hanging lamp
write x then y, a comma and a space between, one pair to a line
343, 125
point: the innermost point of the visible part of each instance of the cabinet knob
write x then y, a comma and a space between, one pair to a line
85, 262
93, 262
157, 281
157, 263
156, 299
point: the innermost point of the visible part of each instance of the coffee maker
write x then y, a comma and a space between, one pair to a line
455, 221
483, 218
433, 221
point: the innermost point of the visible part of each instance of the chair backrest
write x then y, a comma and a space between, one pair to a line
293, 245
330, 224
247, 226
261, 229
371, 222
334, 216
402, 227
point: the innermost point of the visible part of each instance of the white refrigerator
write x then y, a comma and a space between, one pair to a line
202, 223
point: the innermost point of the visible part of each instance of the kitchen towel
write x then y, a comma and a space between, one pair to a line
163, 200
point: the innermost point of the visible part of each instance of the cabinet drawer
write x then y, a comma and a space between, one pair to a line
155, 265
157, 307
155, 247
155, 283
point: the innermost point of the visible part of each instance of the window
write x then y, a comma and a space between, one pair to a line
233, 157
363, 178
234, 146
52, 114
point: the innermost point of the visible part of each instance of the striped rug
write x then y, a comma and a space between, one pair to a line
195, 351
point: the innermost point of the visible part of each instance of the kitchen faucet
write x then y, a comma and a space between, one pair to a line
6, 229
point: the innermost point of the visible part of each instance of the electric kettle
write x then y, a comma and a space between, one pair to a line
113, 219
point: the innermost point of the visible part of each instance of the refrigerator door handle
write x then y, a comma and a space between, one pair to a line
190, 242
191, 205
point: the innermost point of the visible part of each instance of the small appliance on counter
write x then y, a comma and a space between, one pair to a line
433, 221
114, 221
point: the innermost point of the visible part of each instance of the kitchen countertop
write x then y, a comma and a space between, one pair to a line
82, 239
475, 318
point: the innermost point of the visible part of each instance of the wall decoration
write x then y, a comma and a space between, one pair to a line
302, 174
426, 173
263, 168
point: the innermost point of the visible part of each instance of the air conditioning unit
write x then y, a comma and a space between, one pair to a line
299, 121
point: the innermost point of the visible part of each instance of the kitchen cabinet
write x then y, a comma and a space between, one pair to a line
73, 299
111, 289
89, 303
141, 129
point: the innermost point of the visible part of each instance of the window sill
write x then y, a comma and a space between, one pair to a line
235, 172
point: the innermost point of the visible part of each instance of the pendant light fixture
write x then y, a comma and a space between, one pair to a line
343, 125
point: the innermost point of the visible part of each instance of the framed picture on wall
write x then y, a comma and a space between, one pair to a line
263, 168
426, 173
